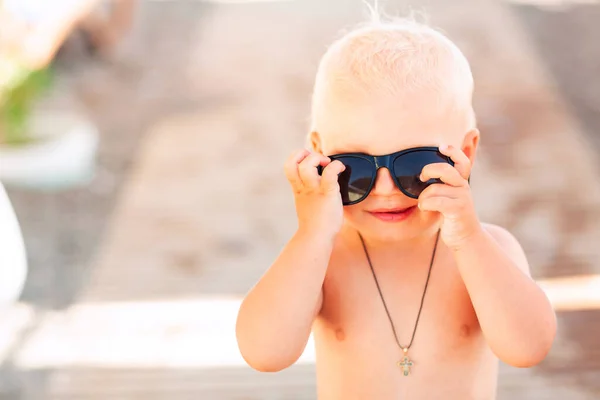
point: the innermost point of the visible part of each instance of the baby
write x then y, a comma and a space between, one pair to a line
408, 295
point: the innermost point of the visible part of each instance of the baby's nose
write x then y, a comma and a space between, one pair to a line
384, 184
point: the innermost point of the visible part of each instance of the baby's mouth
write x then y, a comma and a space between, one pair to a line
392, 214
392, 210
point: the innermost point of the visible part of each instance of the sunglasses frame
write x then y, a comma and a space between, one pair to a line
387, 161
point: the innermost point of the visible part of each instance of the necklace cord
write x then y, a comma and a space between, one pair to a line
383, 300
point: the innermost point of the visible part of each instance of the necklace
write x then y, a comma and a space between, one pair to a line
406, 363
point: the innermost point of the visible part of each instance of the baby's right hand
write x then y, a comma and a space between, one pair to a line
318, 200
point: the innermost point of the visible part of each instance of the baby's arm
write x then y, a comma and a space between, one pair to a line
514, 313
275, 319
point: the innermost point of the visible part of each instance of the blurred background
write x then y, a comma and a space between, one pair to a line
141, 149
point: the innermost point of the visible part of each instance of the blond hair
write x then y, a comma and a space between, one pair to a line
402, 58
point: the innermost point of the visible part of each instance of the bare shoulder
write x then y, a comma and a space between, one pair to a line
509, 244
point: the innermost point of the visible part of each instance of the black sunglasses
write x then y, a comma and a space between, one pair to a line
358, 179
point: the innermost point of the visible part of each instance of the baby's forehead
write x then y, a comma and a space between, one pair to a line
380, 133
377, 143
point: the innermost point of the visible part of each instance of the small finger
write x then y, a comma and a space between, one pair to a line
329, 178
443, 171
460, 159
291, 167
308, 169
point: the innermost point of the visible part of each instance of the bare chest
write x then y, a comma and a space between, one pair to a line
356, 339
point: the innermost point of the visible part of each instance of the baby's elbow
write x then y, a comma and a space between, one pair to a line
531, 355
534, 346
263, 358
267, 366
526, 360
263, 362
262, 350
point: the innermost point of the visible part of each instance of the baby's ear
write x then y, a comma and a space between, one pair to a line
314, 142
470, 143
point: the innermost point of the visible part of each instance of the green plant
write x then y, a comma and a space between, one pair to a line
19, 88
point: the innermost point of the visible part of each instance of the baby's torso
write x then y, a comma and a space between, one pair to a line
357, 355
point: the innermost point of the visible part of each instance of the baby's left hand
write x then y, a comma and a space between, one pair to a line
452, 198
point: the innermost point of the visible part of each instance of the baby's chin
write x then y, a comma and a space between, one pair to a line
393, 230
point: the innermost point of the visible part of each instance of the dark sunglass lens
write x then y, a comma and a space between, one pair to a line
408, 167
356, 179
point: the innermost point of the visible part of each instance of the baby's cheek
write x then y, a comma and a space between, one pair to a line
356, 218
428, 217
354, 213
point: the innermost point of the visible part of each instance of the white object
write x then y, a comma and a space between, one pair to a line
63, 155
192, 333
44, 11
13, 259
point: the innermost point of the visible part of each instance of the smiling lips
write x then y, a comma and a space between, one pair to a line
392, 214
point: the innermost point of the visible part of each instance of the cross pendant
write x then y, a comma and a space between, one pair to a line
405, 363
